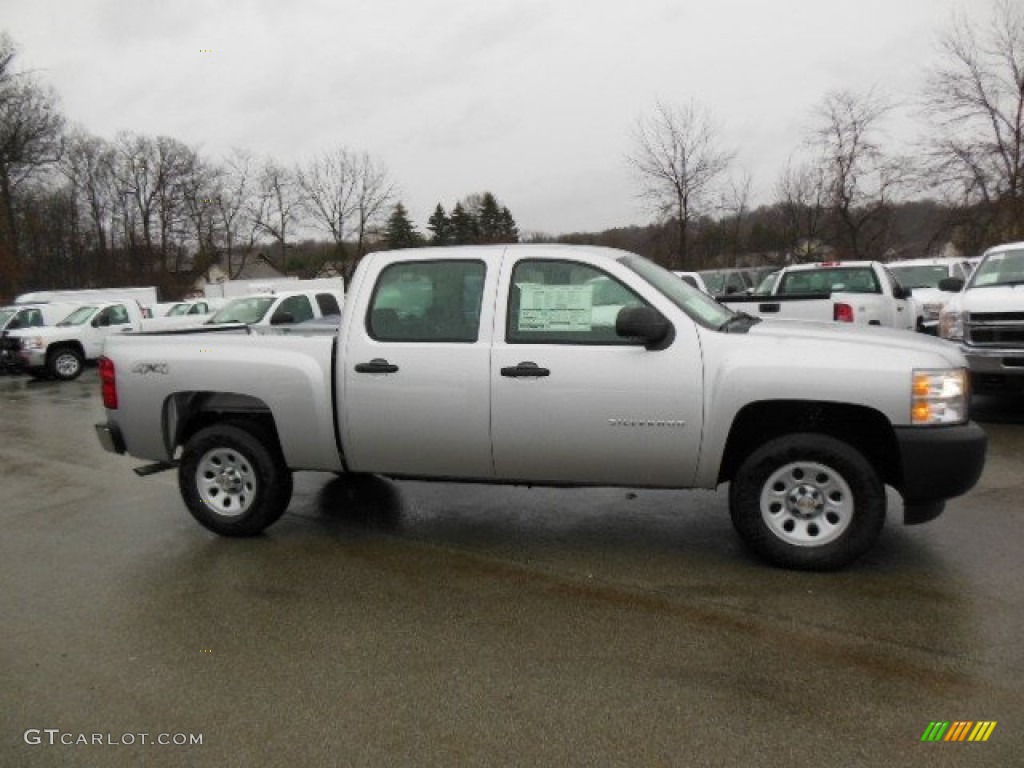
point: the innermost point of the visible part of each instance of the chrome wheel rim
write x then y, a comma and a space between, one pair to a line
66, 364
226, 482
806, 504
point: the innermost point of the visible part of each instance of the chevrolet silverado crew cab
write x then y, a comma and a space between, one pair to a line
986, 317
20, 317
60, 351
859, 292
562, 366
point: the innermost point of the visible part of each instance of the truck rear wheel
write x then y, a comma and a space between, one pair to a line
233, 480
807, 501
64, 363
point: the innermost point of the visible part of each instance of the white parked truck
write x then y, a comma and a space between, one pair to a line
985, 316
922, 277
858, 292
60, 351
17, 317
282, 308
507, 364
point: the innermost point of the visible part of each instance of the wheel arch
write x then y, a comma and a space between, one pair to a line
72, 344
185, 413
863, 428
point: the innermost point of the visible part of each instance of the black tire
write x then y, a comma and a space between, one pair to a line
807, 501
234, 480
64, 363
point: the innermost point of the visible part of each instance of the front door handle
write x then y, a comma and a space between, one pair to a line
377, 365
525, 369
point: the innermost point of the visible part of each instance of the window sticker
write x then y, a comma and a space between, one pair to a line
555, 307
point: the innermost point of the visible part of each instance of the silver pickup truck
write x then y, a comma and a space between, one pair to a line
557, 365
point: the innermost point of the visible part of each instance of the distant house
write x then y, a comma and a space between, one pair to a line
255, 267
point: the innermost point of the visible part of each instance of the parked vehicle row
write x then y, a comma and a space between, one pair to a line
60, 348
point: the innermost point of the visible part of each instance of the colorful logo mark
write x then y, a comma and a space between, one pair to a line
958, 730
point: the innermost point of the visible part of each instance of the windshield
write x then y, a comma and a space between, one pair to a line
79, 317
767, 285
700, 307
5, 315
921, 276
248, 310
1003, 268
178, 309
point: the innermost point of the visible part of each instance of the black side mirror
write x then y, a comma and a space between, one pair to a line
951, 284
645, 324
899, 292
101, 322
282, 318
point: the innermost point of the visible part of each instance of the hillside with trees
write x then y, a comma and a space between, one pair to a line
77, 209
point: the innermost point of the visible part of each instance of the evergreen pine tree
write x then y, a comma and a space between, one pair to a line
508, 231
489, 220
464, 226
400, 231
440, 227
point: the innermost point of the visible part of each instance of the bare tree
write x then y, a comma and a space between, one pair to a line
735, 207
31, 127
275, 206
235, 201
862, 181
678, 158
974, 101
346, 194
802, 194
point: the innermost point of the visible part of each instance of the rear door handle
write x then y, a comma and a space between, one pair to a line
525, 369
377, 365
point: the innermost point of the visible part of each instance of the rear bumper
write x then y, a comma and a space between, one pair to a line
939, 463
110, 438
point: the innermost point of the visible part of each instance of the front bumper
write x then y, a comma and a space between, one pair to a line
1006, 361
30, 358
110, 438
939, 463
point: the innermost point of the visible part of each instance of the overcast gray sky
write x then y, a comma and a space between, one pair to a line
534, 100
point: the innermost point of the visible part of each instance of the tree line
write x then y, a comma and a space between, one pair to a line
77, 209
842, 192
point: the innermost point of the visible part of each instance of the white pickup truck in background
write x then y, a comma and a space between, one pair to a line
282, 308
922, 277
182, 314
985, 316
858, 292
21, 317
60, 351
556, 365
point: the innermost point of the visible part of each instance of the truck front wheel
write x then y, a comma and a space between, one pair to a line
807, 501
64, 363
234, 482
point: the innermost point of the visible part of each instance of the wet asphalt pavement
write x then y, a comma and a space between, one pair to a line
426, 624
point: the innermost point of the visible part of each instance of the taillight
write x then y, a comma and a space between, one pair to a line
108, 383
842, 313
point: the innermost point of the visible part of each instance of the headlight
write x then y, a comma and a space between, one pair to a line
33, 342
951, 325
939, 397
